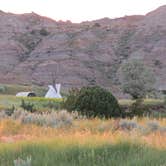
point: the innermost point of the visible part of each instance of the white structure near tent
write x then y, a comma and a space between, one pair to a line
54, 92
26, 94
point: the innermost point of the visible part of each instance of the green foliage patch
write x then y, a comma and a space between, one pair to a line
50, 154
93, 102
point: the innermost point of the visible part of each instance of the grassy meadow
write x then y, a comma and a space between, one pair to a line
85, 142
67, 139
7, 101
40, 103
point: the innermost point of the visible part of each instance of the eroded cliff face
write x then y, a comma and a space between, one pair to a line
32, 47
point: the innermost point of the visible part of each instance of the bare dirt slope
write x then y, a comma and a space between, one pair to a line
32, 47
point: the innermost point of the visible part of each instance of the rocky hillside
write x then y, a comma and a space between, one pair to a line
34, 48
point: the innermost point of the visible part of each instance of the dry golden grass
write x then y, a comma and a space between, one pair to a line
83, 132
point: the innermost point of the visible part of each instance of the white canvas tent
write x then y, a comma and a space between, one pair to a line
54, 92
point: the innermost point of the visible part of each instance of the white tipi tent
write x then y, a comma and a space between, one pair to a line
54, 92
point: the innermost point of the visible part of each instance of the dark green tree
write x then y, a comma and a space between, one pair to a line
95, 102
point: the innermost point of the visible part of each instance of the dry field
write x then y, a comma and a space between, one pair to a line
85, 142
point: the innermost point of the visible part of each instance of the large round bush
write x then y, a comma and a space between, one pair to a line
70, 103
96, 101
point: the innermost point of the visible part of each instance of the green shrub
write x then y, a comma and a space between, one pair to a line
94, 102
2, 89
27, 106
10, 111
138, 108
70, 102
